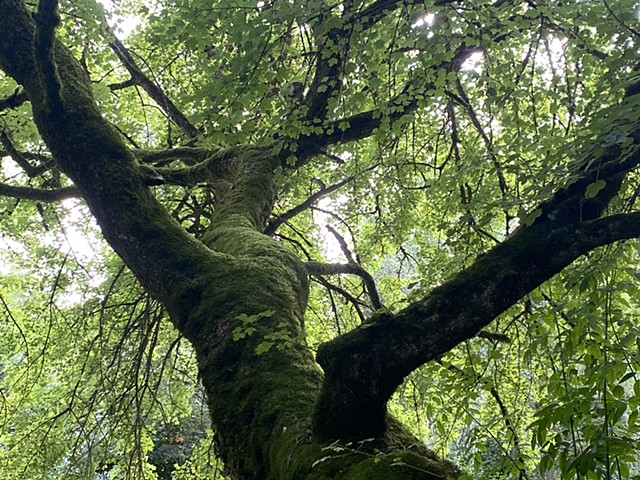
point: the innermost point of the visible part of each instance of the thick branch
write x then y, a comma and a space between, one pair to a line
378, 10
373, 359
104, 171
330, 60
364, 366
219, 165
47, 19
189, 155
362, 125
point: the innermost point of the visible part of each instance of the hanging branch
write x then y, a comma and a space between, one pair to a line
506, 416
463, 100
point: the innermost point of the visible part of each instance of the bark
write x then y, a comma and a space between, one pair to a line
239, 296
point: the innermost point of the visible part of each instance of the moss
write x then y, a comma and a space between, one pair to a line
401, 466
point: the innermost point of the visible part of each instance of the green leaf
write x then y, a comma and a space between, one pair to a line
530, 217
263, 347
594, 188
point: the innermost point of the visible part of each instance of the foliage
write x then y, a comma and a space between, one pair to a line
484, 111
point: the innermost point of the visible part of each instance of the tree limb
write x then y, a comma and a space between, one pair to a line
38, 194
363, 367
374, 358
47, 19
275, 222
342, 242
121, 85
378, 10
331, 56
189, 155
362, 125
152, 89
317, 268
219, 165
105, 172
19, 158
14, 100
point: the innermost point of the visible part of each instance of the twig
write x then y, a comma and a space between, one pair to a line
19, 158
350, 298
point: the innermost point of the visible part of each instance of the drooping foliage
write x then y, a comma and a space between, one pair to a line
453, 175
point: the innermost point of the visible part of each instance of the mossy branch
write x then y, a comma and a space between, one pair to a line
189, 155
374, 358
103, 169
204, 165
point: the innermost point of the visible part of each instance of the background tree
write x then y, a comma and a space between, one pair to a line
474, 163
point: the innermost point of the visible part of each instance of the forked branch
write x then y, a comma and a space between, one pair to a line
275, 222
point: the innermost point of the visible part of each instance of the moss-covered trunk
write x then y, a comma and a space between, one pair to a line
246, 322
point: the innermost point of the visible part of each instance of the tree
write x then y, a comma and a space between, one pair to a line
496, 140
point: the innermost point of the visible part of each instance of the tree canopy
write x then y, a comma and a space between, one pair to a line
357, 239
